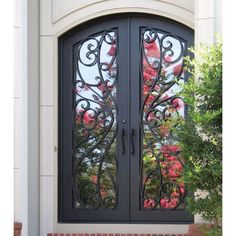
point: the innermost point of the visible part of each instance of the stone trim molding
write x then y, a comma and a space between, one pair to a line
57, 17
99, 234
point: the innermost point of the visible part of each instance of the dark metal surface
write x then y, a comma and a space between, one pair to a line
123, 141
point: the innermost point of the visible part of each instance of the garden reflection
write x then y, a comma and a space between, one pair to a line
95, 130
162, 165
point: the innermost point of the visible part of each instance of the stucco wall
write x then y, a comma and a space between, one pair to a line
56, 17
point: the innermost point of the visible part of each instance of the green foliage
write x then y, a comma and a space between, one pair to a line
200, 134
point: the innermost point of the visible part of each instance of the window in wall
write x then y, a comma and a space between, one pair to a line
118, 160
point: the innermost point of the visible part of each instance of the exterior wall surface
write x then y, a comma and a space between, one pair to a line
57, 17
208, 20
20, 116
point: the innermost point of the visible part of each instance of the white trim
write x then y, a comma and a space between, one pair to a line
54, 26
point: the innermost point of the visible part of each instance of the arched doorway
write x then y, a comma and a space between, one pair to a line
118, 160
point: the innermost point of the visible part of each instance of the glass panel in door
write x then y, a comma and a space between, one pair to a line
95, 122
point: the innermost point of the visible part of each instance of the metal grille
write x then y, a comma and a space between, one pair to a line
95, 123
162, 73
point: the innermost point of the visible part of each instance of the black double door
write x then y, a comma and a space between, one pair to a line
119, 161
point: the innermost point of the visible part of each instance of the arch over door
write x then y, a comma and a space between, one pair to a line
118, 81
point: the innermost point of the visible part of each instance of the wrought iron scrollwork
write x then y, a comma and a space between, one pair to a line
95, 125
161, 67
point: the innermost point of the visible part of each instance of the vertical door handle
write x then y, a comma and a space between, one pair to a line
123, 141
132, 134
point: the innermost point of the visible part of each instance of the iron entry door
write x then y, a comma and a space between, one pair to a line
118, 80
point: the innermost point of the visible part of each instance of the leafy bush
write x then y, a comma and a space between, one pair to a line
200, 134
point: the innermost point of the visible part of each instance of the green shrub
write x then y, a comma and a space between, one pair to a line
200, 133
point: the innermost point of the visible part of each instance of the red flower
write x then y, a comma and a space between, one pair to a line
177, 166
94, 179
164, 130
149, 100
171, 158
77, 119
167, 149
145, 89
147, 76
173, 174
177, 69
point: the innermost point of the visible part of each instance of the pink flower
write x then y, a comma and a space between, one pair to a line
152, 50
168, 58
175, 194
173, 203
149, 203
112, 50
87, 119
163, 172
177, 103
103, 192
164, 203
182, 190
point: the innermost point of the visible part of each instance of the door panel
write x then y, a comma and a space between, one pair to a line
117, 96
157, 68
93, 155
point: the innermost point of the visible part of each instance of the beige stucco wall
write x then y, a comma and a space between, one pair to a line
56, 17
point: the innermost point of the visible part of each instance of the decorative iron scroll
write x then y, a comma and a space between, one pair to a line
95, 124
161, 186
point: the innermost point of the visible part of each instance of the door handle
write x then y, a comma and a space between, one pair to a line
132, 134
123, 141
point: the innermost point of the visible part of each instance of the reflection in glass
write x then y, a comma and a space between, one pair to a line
95, 125
162, 75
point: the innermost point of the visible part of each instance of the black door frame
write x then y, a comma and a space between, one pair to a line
128, 211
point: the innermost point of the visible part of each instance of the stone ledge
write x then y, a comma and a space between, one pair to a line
114, 234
